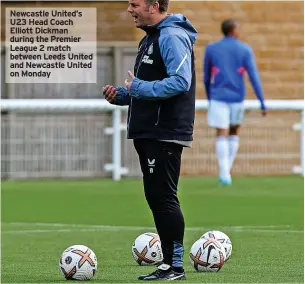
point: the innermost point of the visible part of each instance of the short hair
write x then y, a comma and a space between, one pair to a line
228, 26
163, 4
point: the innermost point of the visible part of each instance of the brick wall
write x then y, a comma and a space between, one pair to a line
275, 30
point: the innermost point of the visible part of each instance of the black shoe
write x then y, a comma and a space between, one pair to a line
164, 272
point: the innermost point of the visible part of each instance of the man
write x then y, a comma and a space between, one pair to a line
225, 62
161, 99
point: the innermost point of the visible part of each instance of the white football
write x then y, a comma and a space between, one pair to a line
146, 249
207, 255
78, 262
222, 238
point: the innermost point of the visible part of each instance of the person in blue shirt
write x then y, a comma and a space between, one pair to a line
224, 64
161, 99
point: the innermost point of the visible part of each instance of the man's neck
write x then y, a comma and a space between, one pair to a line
158, 18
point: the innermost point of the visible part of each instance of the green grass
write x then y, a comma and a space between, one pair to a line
262, 216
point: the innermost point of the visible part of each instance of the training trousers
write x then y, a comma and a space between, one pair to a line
160, 164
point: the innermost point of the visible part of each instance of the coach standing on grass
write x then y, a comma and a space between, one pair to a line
161, 99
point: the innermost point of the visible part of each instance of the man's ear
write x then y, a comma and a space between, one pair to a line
154, 8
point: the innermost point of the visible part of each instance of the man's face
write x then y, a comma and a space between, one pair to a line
140, 12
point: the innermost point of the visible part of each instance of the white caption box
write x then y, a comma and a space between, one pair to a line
51, 45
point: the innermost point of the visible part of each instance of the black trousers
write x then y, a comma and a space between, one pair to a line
160, 163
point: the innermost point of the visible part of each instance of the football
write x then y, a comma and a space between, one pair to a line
222, 238
78, 262
207, 255
146, 249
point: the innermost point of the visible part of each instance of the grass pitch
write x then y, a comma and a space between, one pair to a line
262, 216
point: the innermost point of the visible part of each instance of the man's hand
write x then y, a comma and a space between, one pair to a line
128, 84
109, 93
264, 112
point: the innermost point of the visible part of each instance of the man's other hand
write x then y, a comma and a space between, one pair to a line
128, 84
109, 92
